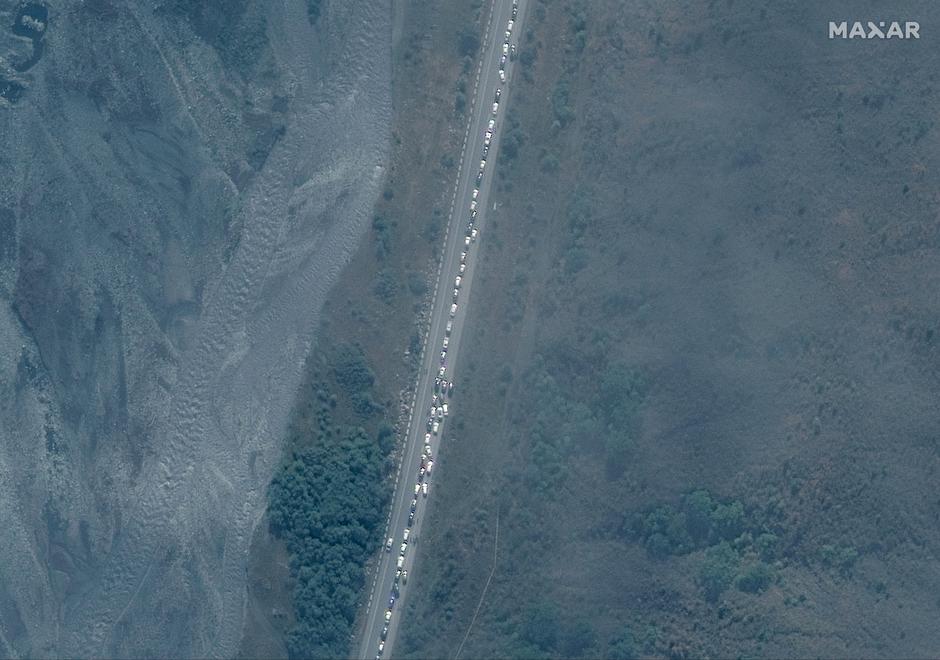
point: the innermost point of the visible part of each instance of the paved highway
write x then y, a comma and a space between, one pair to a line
486, 83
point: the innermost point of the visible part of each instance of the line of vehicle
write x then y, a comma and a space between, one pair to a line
442, 259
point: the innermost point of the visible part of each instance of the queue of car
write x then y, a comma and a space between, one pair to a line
444, 388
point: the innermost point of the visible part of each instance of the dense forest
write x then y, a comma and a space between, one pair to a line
327, 503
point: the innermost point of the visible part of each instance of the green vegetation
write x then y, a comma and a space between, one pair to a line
327, 503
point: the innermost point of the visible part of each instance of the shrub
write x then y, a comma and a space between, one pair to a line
717, 570
755, 578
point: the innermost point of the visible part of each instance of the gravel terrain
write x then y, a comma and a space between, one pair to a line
177, 199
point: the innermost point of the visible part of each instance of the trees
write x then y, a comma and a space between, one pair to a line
717, 570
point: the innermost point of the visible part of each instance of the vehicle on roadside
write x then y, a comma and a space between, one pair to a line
495, 108
499, 92
388, 544
479, 178
512, 52
417, 488
473, 233
502, 61
381, 646
403, 549
437, 425
384, 632
405, 534
463, 267
404, 577
424, 489
455, 295
476, 193
473, 205
473, 215
491, 125
506, 48
388, 615
446, 342
391, 602
463, 257
445, 410
482, 165
457, 282
486, 151
509, 26
502, 75
442, 371
450, 325
487, 137
411, 518
466, 242
450, 389
453, 310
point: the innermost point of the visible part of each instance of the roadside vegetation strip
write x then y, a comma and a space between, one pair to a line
322, 503
486, 586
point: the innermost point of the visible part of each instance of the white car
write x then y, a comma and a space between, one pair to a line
495, 108
430, 465
425, 489
446, 342
436, 426
381, 647
482, 165
463, 257
507, 34
443, 370
476, 193
427, 436
450, 324
463, 267
509, 25
453, 310
506, 48
388, 544
457, 282
466, 241
388, 615
473, 233
417, 488
401, 562
404, 548
445, 410
491, 125
502, 75
405, 534
473, 205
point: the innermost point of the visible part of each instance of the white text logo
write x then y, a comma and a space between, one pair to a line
873, 30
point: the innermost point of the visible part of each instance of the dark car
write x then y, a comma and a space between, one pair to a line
411, 518
479, 178
384, 633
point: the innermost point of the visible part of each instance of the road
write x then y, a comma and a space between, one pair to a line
486, 82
